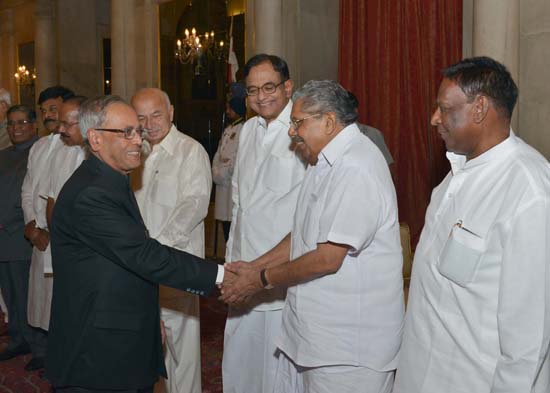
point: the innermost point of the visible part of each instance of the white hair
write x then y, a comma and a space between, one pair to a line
5, 96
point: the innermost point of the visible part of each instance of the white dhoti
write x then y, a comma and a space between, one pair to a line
40, 290
181, 316
291, 378
249, 352
4, 308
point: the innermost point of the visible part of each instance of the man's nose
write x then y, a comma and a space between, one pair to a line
436, 117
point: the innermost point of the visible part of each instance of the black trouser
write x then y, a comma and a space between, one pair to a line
74, 389
14, 281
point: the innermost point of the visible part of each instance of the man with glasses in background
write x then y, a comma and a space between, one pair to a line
173, 193
33, 203
105, 330
15, 251
266, 181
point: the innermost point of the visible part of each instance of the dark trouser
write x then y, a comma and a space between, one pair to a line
226, 225
39, 343
74, 389
14, 281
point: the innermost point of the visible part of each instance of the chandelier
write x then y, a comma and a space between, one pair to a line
24, 76
194, 47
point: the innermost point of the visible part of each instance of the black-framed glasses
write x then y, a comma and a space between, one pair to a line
296, 123
129, 132
22, 122
267, 88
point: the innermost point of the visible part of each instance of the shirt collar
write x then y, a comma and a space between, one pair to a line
495, 154
335, 148
27, 144
282, 119
169, 141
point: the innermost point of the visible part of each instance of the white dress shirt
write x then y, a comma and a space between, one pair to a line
222, 170
355, 316
266, 183
478, 318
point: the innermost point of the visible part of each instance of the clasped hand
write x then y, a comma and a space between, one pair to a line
241, 281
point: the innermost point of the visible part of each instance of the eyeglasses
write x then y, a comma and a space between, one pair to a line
268, 88
67, 125
12, 123
296, 123
129, 132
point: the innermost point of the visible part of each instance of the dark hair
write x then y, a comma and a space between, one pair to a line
327, 96
31, 114
55, 92
483, 75
279, 65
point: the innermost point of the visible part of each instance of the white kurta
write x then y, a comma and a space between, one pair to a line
355, 316
266, 182
173, 198
478, 318
222, 170
33, 203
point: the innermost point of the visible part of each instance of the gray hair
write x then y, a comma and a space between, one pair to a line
327, 96
5, 96
93, 111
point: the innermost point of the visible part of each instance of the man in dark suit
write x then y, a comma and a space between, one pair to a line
105, 330
15, 250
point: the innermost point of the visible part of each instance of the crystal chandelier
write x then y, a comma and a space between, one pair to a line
193, 47
24, 76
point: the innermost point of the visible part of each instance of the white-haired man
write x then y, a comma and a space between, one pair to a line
173, 193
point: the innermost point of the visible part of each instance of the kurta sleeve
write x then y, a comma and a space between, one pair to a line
523, 314
236, 206
194, 186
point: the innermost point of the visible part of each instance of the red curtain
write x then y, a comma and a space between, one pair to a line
391, 54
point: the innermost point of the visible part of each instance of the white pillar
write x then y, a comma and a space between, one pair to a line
45, 45
496, 34
268, 23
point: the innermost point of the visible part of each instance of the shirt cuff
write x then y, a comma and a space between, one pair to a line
220, 275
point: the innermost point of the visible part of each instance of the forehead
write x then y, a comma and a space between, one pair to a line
120, 115
52, 102
297, 109
18, 115
68, 109
261, 74
149, 99
450, 91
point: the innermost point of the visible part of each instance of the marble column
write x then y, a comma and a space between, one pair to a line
8, 60
134, 46
496, 26
45, 45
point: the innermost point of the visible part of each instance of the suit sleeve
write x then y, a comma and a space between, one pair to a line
106, 226
26, 192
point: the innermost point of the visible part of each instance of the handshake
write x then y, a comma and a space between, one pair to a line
241, 281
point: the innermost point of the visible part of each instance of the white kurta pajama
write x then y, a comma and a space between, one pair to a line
33, 203
173, 198
353, 317
222, 171
478, 318
266, 183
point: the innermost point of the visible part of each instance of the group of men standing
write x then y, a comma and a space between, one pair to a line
313, 259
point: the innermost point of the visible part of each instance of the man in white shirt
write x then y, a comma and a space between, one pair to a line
173, 193
33, 203
342, 261
224, 162
61, 163
266, 182
478, 318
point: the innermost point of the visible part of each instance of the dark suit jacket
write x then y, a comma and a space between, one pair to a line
104, 330
13, 167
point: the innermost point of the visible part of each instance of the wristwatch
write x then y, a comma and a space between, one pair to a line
265, 284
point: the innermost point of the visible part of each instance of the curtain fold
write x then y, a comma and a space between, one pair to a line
391, 54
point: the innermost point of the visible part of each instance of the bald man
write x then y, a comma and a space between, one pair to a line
173, 192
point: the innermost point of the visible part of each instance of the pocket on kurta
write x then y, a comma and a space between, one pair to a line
461, 256
278, 174
165, 192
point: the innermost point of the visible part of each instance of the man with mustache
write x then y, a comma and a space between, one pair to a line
15, 251
33, 202
105, 330
173, 192
266, 181
478, 312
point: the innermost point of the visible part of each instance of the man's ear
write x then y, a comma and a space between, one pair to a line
330, 122
94, 139
171, 111
481, 108
288, 88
